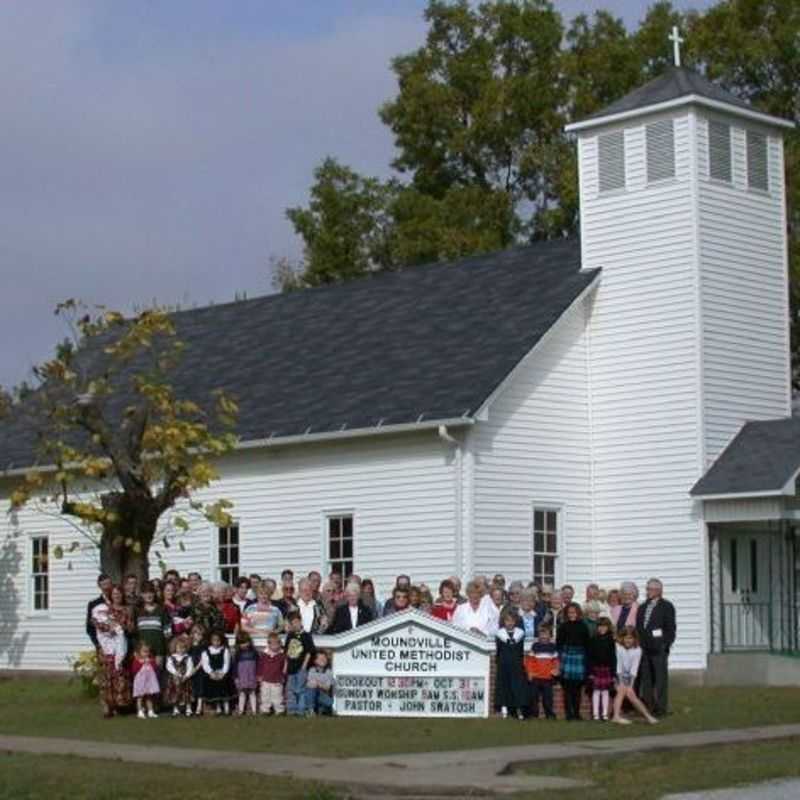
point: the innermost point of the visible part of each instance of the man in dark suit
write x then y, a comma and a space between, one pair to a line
104, 583
352, 614
655, 624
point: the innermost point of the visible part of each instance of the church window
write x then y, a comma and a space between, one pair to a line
340, 544
228, 553
611, 159
719, 151
757, 169
40, 573
545, 545
660, 150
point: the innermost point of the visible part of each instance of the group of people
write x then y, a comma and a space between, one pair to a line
191, 646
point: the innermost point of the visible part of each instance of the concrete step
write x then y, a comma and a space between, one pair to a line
753, 669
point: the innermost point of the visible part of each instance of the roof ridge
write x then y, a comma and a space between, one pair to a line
383, 274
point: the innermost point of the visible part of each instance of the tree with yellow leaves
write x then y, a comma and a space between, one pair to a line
119, 453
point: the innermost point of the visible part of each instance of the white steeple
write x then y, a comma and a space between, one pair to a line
682, 206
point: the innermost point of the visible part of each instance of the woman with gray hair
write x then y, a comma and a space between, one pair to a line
312, 612
624, 615
353, 613
512, 604
475, 615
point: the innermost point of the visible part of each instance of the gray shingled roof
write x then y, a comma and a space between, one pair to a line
762, 457
426, 343
674, 83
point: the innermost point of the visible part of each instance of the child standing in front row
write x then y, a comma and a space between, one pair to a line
271, 671
511, 690
299, 648
572, 640
178, 692
146, 687
245, 672
542, 668
198, 679
629, 656
602, 667
217, 665
319, 686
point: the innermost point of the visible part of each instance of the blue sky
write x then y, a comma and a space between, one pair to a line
148, 149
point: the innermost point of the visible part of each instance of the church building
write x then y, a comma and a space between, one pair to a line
609, 407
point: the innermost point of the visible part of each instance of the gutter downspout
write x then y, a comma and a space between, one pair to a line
445, 436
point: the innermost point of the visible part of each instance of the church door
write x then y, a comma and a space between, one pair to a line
746, 591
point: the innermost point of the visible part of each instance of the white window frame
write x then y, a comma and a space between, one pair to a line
558, 555
327, 561
31, 576
218, 565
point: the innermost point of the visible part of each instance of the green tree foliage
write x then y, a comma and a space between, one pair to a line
344, 228
119, 449
480, 98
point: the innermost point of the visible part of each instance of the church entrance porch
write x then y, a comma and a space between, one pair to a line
754, 587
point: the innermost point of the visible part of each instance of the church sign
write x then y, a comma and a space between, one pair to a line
410, 665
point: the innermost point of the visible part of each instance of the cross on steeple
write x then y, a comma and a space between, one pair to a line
677, 40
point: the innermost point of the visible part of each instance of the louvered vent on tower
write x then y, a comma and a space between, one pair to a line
757, 169
611, 157
660, 150
719, 151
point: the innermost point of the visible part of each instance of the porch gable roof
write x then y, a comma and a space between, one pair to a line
763, 459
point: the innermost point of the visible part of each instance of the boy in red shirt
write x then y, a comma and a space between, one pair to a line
271, 665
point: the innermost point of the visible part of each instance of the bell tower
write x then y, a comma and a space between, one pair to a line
683, 208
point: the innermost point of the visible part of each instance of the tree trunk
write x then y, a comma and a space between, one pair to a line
135, 525
118, 562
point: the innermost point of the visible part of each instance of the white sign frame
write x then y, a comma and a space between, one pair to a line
386, 661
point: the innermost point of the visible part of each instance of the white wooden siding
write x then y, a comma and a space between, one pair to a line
400, 489
744, 293
644, 380
534, 450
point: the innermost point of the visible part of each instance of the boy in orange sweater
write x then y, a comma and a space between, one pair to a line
541, 666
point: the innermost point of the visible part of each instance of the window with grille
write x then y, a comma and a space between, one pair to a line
340, 544
611, 160
719, 151
40, 573
228, 554
545, 545
757, 169
660, 137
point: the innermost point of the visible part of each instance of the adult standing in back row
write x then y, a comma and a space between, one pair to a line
655, 624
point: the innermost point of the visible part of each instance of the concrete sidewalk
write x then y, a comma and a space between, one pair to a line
771, 790
463, 773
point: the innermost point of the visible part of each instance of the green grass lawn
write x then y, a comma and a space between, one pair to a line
29, 777
54, 707
648, 776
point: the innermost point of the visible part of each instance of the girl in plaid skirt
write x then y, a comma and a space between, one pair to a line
602, 667
572, 641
